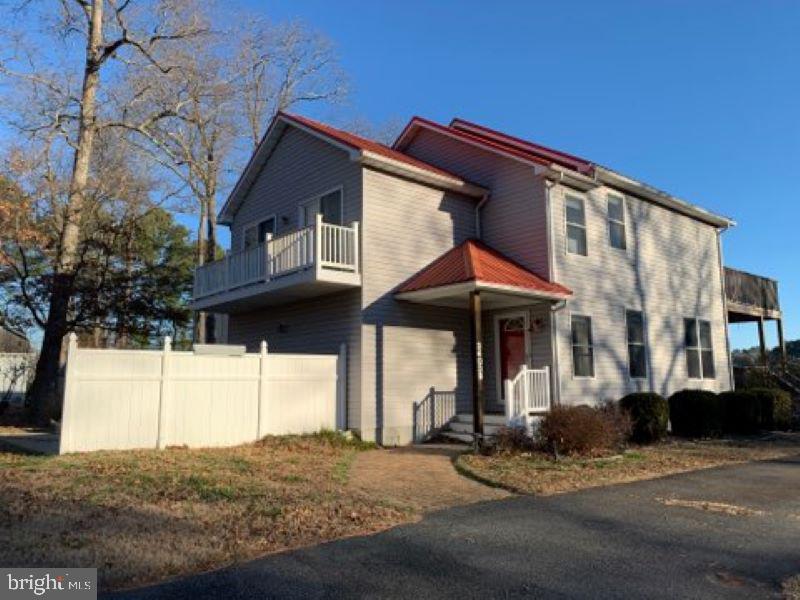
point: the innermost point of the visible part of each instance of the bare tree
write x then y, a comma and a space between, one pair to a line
113, 32
223, 92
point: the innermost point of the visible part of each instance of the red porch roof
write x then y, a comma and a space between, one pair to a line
474, 261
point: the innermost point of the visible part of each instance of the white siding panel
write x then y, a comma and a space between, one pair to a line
513, 220
670, 270
408, 348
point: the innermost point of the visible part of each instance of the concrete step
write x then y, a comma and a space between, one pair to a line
462, 427
492, 418
459, 437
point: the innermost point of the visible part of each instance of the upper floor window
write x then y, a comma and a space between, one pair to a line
699, 349
637, 354
329, 205
576, 226
582, 347
616, 222
256, 233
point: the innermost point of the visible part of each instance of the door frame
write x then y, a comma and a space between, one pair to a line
504, 315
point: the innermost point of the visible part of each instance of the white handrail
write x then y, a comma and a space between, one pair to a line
527, 393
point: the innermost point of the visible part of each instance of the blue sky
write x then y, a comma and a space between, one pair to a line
699, 99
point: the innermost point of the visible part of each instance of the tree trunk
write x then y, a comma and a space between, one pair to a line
210, 203
200, 258
44, 399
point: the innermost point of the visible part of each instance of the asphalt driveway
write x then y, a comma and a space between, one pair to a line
731, 532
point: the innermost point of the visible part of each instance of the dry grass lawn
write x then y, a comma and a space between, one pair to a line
535, 473
142, 516
791, 588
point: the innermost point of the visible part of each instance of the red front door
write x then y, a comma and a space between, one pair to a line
512, 348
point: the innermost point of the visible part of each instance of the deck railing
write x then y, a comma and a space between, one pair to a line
527, 393
432, 413
751, 290
322, 246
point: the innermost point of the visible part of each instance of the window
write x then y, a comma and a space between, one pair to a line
637, 354
582, 349
576, 226
699, 350
616, 222
329, 205
256, 233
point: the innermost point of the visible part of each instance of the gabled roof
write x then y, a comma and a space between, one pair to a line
555, 164
475, 262
359, 148
581, 165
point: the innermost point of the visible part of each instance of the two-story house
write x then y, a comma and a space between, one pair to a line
469, 273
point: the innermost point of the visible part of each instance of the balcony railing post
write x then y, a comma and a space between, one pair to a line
356, 250
268, 257
318, 244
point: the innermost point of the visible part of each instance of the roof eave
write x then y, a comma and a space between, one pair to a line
657, 196
423, 176
480, 286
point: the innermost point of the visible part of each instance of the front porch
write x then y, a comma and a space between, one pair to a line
510, 346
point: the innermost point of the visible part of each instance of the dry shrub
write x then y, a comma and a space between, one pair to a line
512, 440
584, 430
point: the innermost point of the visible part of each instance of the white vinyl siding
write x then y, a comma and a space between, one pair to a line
409, 348
670, 269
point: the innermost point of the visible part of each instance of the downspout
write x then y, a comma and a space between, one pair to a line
478, 207
725, 308
554, 308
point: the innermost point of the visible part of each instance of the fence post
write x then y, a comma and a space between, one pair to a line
341, 388
69, 390
318, 244
262, 385
163, 394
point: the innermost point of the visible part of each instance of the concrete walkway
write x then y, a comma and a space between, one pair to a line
422, 477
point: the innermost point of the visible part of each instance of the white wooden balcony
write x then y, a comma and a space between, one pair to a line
315, 260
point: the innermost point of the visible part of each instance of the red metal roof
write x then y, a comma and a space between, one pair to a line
469, 137
475, 261
557, 156
361, 143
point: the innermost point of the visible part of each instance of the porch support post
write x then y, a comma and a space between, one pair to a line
762, 344
781, 341
478, 392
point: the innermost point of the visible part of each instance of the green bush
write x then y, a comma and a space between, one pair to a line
583, 430
696, 413
743, 411
751, 410
649, 414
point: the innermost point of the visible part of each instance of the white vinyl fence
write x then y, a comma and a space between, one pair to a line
527, 394
16, 372
213, 396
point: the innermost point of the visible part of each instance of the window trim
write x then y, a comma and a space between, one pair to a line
699, 349
623, 222
585, 226
256, 223
643, 344
316, 198
591, 347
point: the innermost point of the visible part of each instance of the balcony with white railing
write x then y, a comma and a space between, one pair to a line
321, 258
